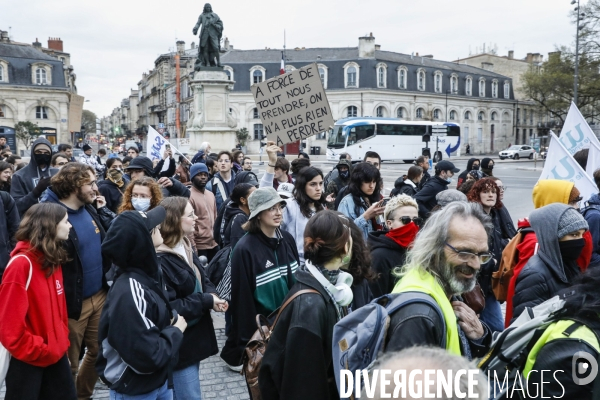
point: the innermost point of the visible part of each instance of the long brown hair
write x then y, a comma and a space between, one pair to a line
170, 228
38, 227
325, 237
155, 192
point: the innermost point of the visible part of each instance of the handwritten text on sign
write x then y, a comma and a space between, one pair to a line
293, 106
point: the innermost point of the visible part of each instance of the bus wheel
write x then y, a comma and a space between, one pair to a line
437, 157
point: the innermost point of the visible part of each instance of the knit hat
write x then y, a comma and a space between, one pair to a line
86, 147
575, 195
197, 168
448, 196
570, 221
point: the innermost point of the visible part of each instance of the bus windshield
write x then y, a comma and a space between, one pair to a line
337, 140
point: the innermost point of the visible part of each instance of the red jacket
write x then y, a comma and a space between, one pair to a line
527, 249
33, 322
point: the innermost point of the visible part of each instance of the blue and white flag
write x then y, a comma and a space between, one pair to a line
561, 165
576, 134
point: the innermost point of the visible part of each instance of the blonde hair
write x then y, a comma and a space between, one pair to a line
401, 200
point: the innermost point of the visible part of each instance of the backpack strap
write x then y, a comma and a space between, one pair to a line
288, 301
30, 268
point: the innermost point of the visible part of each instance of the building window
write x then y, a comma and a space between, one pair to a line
380, 112
352, 111
454, 84
400, 112
322, 76
1, 112
289, 68
480, 116
480, 135
531, 118
421, 80
257, 76
351, 77
228, 74
40, 76
494, 116
402, 78
495, 89
436, 113
41, 112
438, 82
468, 86
468, 115
255, 113
1, 73
481, 87
506, 90
420, 112
258, 131
452, 115
381, 75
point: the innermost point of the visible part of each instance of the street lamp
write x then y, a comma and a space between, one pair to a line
580, 17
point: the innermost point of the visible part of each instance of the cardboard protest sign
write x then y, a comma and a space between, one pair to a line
293, 106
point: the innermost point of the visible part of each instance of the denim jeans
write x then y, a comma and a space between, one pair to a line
492, 314
186, 383
162, 393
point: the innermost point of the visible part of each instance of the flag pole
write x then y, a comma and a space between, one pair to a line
171, 145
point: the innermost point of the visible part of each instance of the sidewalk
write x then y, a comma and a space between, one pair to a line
323, 157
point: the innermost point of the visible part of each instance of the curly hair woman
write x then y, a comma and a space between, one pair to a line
33, 309
142, 195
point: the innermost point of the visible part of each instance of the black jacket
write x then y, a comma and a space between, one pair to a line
199, 340
502, 233
73, 270
262, 273
112, 193
228, 224
463, 175
361, 295
424, 180
8, 227
402, 187
419, 324
25, 180
176, 189
386, 255
298, 360
426, 196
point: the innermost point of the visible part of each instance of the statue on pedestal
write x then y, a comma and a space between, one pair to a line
210, 39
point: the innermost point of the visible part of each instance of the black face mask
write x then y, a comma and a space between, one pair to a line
475, 167
42, 159
344, 174
490, 167
571, 249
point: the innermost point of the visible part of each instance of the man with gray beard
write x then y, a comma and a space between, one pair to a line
443, 263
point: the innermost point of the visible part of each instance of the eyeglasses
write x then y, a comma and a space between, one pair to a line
466, 256
140, 196
502, 188
406, 220
276, 208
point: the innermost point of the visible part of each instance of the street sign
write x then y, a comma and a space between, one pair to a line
161, 130
161, 125
535, 143
440, 130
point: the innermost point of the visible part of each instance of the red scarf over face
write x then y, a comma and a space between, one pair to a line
404, 235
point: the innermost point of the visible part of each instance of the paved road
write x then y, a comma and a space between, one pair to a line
217, 381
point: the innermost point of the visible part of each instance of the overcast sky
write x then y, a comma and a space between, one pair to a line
113, 42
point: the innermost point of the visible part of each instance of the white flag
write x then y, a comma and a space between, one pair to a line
576, 134
562, 166
156, 144
593, 161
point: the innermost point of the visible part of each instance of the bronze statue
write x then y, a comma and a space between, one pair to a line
210, 38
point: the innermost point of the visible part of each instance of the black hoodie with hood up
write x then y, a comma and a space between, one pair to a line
26, 179
138, 345
463, 175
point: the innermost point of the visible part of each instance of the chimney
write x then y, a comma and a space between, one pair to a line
193, 45
37, 44
529, 58
4, 37
377, 47
366, 46
538, 58
180, 46
511, 54
226, 43
55, 44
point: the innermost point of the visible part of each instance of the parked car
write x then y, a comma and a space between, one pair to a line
517, 151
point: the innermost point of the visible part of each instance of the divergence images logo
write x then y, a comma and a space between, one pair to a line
582, 373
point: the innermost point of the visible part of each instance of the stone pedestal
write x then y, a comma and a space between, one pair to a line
211, 121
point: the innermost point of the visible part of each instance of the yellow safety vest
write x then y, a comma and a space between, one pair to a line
418, 280
556, 331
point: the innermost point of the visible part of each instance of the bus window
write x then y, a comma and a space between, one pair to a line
453, 130
359, 133
401, 130
337, 140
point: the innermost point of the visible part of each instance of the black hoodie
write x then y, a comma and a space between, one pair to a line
402, 186
463, 175
138, 345
386, 255
26, 179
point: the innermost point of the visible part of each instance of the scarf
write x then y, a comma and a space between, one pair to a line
404, 235
116, 177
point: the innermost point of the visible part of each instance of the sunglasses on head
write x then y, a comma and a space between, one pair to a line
406, 220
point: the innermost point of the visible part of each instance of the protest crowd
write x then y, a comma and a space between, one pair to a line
113, 265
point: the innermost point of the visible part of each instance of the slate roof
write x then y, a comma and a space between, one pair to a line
20, 56
20, 50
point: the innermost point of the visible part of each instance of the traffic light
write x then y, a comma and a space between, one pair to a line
263, 137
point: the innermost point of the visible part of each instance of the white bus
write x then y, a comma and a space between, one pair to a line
392, 139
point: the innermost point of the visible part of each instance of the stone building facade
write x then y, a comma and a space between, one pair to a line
36, 85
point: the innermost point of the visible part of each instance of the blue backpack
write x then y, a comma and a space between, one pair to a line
359, 338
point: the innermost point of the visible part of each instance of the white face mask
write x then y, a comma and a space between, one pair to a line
140, 204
